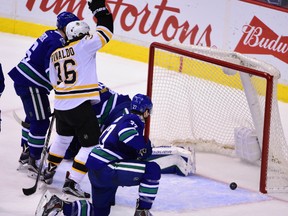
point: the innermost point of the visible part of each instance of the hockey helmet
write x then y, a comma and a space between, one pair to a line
140, 103
64, 18
77, 29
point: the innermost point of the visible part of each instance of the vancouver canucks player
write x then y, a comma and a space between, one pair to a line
32, 85
2, 79
120, 160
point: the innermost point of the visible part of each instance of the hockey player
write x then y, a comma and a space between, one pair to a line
2, 87
119, 160
111, 106
2, 83
73, 75
32, 85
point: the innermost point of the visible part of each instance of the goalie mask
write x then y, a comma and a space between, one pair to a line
77, 30
140, 103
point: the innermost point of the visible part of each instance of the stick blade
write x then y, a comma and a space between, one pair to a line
29, 191
19, 120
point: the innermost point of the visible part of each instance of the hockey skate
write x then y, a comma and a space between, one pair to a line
141, 212
53, 206
24, 157
43, 205
33, 167
73, 188
49, 173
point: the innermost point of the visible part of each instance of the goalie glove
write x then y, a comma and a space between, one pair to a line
98, 8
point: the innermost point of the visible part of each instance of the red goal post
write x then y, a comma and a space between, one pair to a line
201, 96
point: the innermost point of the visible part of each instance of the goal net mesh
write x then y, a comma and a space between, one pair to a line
201, 95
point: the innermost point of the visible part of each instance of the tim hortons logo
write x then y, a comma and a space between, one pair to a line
260, 39
156, 20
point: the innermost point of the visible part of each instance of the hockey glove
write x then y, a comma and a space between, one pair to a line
146, 152
98, 7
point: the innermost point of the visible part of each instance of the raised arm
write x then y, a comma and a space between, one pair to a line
104, 20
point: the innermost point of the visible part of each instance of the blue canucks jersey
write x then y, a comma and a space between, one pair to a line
111, 106
122, 140
33, 68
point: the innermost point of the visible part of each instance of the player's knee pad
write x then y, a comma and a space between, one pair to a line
152, 171
39, 127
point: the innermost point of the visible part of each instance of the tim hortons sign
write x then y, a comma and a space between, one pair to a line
153, 19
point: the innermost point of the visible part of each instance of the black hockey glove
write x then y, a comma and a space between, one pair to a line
98, 7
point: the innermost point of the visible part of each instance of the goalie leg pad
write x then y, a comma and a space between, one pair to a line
172, 159
246, 144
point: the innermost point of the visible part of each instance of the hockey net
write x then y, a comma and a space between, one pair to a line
201, 95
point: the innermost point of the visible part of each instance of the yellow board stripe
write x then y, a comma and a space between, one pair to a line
118, 48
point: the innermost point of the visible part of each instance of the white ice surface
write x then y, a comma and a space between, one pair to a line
205, 194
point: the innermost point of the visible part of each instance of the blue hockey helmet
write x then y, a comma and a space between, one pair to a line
140, 103
64, 18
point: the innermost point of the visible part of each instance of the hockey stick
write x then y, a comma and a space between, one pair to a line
29, 191
20, 121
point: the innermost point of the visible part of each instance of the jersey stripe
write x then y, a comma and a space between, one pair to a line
37, 103
132, 167
104, 155
104, 34
77, 92
106, 108
59, 97
127, 134
32, 75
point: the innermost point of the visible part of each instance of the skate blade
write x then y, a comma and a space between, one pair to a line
68, 197
71, 198
31, 174
22, 167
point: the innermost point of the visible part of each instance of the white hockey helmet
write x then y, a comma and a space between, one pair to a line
77, 29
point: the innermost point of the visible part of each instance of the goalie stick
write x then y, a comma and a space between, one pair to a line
29, 191
20, 121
